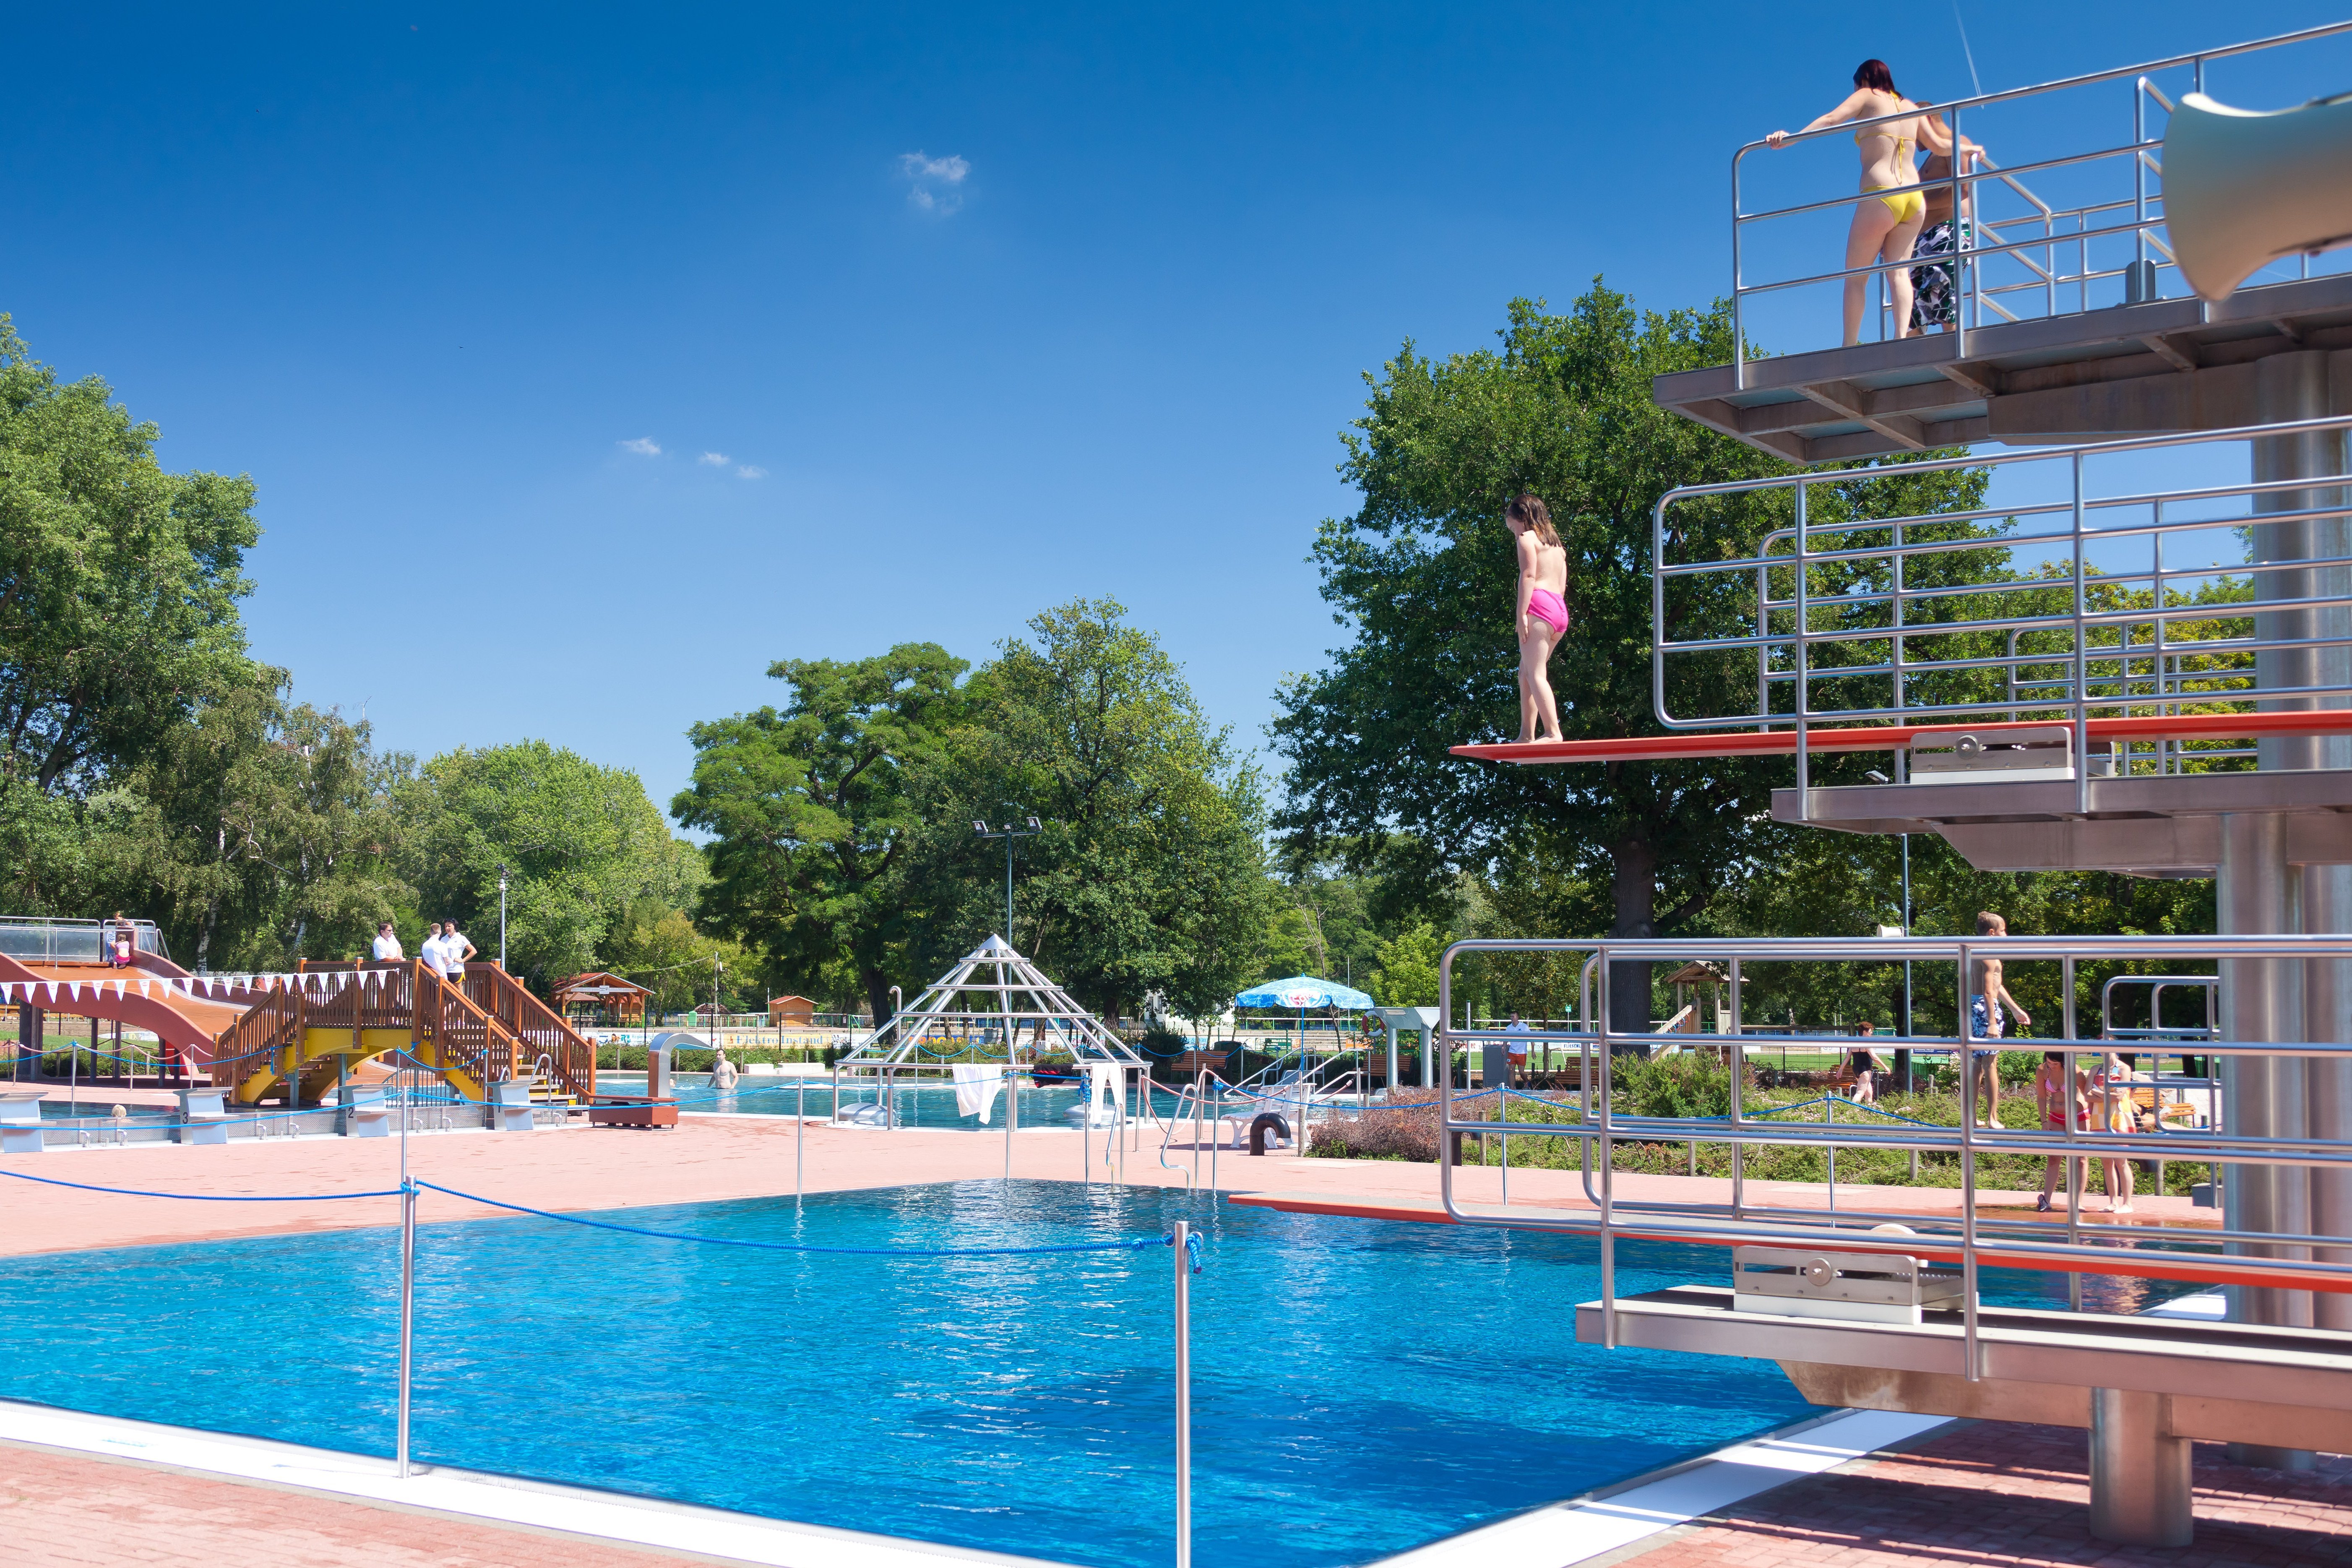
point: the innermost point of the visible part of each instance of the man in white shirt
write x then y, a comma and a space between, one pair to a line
454, 951
387, 943
429, 949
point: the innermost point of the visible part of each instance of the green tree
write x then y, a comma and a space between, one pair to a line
1149, 873
657, 946
1290, 945
119, 582
1422, 577
118, 585
1407, 974
817, 810
264, 832
580, 842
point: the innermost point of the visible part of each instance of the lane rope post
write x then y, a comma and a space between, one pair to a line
407, 1312
1184, 1250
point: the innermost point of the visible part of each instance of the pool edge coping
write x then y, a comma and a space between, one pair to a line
551, 1508
1609, 1519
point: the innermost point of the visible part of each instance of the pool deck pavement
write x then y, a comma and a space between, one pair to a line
2004, 1495
1997, 1494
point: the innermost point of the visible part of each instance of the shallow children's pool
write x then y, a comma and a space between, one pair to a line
917, 1104
1360, 1386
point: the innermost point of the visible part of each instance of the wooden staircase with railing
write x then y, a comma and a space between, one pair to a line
487, 1029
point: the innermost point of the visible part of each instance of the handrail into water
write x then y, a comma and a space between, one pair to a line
2089, 1248
1966, 259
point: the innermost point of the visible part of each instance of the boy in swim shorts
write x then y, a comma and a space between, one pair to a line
1987, 998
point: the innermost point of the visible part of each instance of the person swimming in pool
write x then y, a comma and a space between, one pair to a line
1887, 224
1541, 614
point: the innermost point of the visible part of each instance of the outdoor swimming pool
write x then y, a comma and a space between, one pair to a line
1360, 1386
930, 1103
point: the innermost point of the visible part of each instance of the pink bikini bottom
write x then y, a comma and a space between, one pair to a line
1545, 605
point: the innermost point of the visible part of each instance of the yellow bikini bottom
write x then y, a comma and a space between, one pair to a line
1906, 207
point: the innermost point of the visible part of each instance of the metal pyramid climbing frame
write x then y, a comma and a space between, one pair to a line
1019, 1008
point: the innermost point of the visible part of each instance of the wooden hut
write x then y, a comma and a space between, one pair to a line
1687, 982
790, 1013
597, 998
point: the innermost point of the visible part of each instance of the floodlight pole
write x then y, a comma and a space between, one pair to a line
1011, 830
502, 914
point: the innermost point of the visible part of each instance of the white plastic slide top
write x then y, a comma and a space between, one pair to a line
2243, 188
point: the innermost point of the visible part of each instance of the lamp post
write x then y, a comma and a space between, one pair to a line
502, 914
1009, 832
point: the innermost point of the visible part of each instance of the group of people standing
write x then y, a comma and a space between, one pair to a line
2101, 1099
1908, 214
445, 948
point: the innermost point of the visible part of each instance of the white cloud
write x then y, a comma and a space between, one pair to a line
749, 472
933, 184
644, 447
716, 459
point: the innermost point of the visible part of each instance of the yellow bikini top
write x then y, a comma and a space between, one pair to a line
1902, 143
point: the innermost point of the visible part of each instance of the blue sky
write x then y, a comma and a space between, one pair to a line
983, 308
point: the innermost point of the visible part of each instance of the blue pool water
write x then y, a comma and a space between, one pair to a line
94, 1105
929, 1104
1360, 1386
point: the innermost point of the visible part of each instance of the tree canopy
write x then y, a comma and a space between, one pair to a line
816, 808
844, 822
119, 582
1422, 577
581, 843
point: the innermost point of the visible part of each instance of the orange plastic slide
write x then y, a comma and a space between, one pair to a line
83, 990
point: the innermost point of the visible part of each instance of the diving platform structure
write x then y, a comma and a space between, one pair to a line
2081, 669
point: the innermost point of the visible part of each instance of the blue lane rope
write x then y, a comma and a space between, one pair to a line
1124, 1245
204, 1197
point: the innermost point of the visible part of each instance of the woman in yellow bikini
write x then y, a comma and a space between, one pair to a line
1886, 227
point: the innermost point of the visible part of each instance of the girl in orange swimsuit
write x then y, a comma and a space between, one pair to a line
1887, 225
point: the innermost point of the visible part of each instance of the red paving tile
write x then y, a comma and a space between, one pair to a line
1991, 1494
61, 1509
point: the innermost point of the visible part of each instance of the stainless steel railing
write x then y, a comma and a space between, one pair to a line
2015, 264
2278, 1259
2082, 603
43, 939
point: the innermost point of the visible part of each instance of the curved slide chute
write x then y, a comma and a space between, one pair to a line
142, 996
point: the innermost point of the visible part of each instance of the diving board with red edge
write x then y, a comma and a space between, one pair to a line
1693, 744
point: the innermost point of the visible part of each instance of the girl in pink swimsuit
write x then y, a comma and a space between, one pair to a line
1542, 613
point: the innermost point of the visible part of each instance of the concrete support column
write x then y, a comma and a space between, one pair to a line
2259, 892
2262, 999
2290, 387
2139, 1471
2299, 389
2327, 1015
